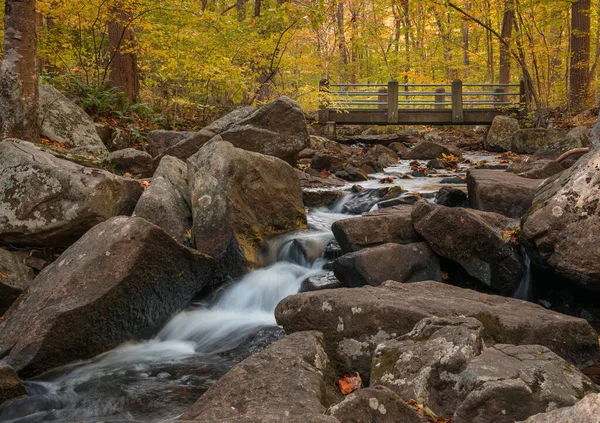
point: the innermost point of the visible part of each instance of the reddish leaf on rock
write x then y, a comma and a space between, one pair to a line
349, 382
2, 274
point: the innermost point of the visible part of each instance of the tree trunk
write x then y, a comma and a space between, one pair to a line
465, 37
240, 5
341, 32
580, 54
123, 66
19, 97
506, 33
257, 4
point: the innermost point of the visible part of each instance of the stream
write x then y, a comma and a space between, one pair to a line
157, 379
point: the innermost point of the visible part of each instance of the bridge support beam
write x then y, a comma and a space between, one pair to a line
392, 103
457, 102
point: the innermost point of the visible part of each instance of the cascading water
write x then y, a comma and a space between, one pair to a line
523, 291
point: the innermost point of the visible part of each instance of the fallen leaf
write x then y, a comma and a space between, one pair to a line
349, 382
3, 275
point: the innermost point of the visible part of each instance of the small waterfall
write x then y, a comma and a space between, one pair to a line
523, 291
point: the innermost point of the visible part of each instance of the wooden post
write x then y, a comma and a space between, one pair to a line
523, 95
440, 98
382, 98
457, 102
392, 109
499, 98
323, 115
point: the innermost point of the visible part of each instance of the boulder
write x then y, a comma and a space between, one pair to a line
166, 202
585, 411
322, 198
10, 385
46, 201
550, 142
239, 198
352, 174
315, 182
444, 362
326, 280
384, 156
400, 148
120, 140
63, 121
327, 161
355, 320
232, 118
130, 160
402, 263
291, 378
277, 129
451, 197
499, 136
105, 132
578, 137
121, 281
323, 144
535, 169
392, 224
376, 404
501, 192
475, 240
159, 141
15, 277
428, 150
561, 228
365, 199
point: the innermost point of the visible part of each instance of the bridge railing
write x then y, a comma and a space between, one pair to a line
395, 98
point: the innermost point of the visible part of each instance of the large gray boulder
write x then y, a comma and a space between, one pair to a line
499, 136
501, 192
444, 362
239, 198
475, 240
585, 411
356, 320
562, 227
63, 121
293, 378
15, 277
535, 169
549, 143
392, 224
166, 202
158, 141
46, 201
277, 129
121, 281
130, 160
401, 263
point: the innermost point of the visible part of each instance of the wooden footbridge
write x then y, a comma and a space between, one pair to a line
419, 104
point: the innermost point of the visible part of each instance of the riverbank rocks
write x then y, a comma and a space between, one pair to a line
428, 150
562, 227
501, 131
292, 378
63, 121
402, 263
585, 411
130, 160
535, 169
239, 198
549, 143
45, 201
473, 239
166, 202
277, 129
15, 277
392, 224
10, 385
445, 362
501, 192
121, 281
356, 320
451, 197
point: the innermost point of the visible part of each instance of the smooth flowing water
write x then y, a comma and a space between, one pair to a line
523, 291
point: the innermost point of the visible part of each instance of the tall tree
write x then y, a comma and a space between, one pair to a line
580, 54
465, 36
124, 72
18, 77
506, 33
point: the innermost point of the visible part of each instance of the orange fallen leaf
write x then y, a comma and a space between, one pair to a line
3, 275
145, 184
349, 382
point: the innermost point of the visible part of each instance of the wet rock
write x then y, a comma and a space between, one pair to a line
562, 227
451, 197
131, 160
382, 139
383, 155
352, 174
551, 142
313, 182
324, 281
501, 192
292, 377
121, 281
400, 148
15, 277
325, 198
474, 240
428, 150
404, 200
356, 320
327, 161
255, 344
500, 133
239, 198
63, 121
585, 411
393, 224
159, 141
435, 164
376, 404
166, 202
277, 129
46, 201
535, 169
366, 199
10, 385
402, 263
453, 180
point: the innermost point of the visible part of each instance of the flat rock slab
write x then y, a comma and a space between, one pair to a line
501, 192
356, 320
